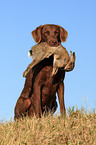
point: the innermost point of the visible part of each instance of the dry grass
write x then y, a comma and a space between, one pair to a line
78, 128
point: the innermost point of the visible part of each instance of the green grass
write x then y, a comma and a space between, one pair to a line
77, 128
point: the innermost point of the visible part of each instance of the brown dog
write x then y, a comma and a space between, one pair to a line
39, 93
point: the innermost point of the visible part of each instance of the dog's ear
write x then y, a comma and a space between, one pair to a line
37, 34
63, 34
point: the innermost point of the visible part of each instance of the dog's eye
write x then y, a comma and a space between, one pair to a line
46, 33
56, 33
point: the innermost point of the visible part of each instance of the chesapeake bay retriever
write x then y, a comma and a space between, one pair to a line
39, 93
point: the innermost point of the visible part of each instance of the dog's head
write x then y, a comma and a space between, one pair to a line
52, 34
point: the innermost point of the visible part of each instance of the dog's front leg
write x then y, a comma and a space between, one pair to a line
60, 93
37, 101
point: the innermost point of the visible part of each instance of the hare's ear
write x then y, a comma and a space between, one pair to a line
37, 34
63, 34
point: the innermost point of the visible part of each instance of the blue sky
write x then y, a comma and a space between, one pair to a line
18, 19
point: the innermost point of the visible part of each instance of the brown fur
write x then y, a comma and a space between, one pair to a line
39, 93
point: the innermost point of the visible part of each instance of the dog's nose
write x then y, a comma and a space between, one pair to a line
54, 42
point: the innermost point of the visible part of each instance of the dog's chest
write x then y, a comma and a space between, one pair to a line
49, 91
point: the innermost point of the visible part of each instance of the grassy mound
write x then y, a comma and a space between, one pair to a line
77, 128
